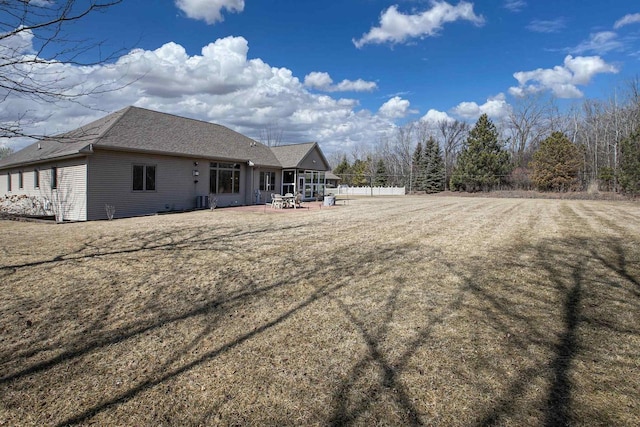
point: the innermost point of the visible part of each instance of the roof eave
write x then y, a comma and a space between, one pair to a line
18, 165
183, 155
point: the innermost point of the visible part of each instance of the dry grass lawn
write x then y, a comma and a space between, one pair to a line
399, 311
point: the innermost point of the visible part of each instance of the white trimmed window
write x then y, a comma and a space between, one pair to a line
267, 181
8, 181
36, 178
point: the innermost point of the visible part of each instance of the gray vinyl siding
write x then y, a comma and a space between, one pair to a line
69, 198
265, 196
71, 194
313, 161
110, 182
7, 177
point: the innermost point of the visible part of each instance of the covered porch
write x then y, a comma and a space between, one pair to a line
309, 183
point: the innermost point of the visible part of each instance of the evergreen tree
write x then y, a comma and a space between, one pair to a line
343, 170
483, 163
434, 167
381, 174
630, 164
418, 168
359, 177
556, 164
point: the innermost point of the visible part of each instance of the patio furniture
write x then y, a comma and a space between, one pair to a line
288, 199
297, 201
277, 201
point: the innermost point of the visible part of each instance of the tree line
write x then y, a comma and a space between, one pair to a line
594, 145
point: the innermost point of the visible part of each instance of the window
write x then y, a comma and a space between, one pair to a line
267, 181
36, 178
224, 178
20, 180
288, 181
8, 181
138, 177
54, 178
314, 183
144, 178
150, 178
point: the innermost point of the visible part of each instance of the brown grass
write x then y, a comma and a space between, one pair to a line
397, 311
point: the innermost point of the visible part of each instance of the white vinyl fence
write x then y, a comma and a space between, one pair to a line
366, 191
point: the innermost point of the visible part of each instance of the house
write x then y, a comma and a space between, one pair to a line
143, 162
304, 169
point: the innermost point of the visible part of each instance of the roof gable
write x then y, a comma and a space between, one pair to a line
301, 156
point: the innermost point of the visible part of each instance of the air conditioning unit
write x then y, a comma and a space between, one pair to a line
202, 202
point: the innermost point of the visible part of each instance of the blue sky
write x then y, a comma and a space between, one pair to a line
345, 73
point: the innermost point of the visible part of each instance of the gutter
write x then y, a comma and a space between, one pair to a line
183, 155
84, 152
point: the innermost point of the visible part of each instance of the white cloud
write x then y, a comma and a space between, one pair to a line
600, 43
435, 116
221, 84
209, 11
562, 80
354, 86
632, 18
323, 81
20, 43
515, 5
395, 108
397, 27
584, 68
495, 107
552, 26
318, 80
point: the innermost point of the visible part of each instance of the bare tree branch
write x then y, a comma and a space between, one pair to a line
36, 52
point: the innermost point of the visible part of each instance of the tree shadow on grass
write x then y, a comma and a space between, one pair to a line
168, 373
348, 406
98, 336
389, 383
581, 273
570, 307
561, 322
194, 239
105, 248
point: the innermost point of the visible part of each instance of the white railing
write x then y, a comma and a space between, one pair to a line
366, 191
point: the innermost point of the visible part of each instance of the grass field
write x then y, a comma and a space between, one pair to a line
398, 311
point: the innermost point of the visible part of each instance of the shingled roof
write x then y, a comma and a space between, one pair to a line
141, 130
290, 156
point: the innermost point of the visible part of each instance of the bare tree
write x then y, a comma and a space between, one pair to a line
5, 151
423, 130
385, 152
451, 135
403, 145
335, 158
528, 123
599, 127
271, 135
35, 47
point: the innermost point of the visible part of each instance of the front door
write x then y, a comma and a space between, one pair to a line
300, 184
